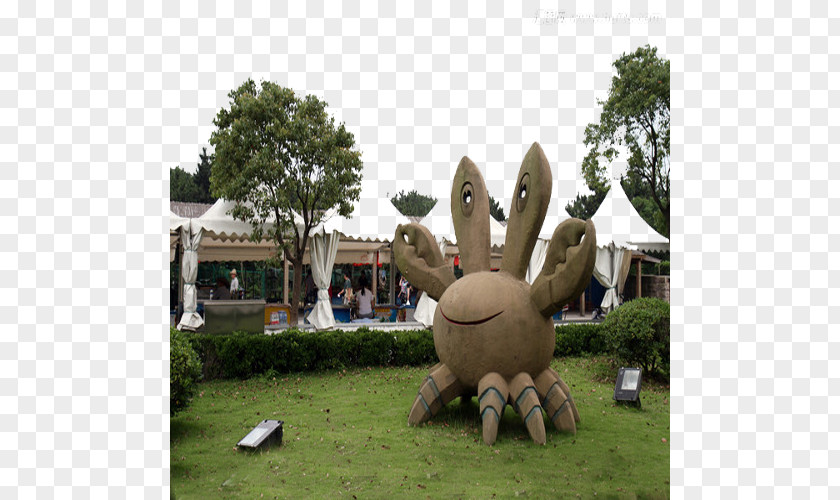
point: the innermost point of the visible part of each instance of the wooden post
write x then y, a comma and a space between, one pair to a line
392, 271
178, 258
374, 276
583, 303
639, 279
285, 279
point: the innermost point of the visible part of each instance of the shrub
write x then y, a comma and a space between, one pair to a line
414, 347
375, 347
663, 268
184, 371
578, 339
243, 355
639, 332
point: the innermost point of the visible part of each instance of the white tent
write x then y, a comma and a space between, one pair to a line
190, 238
620, 229
367, 230
618, 221
226, 238
374, 218
175, 224
322, 250
612, 263
214, 236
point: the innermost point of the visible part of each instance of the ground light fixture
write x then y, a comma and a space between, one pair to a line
628, 384
266, 433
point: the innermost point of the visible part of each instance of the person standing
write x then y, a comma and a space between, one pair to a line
347, 290
405, 291
234, 285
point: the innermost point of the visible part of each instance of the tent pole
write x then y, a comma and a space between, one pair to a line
391, 276
180, 281
375, 276
285, 279
639, 278
583, 303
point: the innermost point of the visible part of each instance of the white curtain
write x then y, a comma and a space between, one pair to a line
190, 239
537, 261
426, 306
322, 253
611, 267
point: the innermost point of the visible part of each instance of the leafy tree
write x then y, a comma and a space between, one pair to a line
413, 203
637, 116
638, 193
279, 155
182, 187
202, 177
584, 206
194, 188
496, 210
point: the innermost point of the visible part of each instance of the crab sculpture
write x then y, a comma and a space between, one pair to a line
493, 332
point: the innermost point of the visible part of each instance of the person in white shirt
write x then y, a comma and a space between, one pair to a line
234, 283
365, 300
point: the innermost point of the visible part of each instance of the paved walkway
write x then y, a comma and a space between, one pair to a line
571, 317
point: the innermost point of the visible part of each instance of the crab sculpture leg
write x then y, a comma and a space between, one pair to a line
439, 388
526, 395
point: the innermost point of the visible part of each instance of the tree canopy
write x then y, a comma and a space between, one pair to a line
413, 203
202, 177
635, 116
496, 210
584, 206
279, 155
195, 187
182, 186
419, 205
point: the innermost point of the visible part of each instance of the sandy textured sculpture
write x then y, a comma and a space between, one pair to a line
493, 331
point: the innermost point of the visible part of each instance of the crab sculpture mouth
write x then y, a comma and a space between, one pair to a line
468, 323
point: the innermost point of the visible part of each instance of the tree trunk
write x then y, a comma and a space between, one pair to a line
295, 297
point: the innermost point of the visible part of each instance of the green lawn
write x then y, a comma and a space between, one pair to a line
345, 435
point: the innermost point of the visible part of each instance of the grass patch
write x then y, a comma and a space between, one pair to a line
345, 435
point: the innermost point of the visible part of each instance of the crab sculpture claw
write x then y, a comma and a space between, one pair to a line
419, 259
568, 266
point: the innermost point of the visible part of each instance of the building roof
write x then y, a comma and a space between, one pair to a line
189, 210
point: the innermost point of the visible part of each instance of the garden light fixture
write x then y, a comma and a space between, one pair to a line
628, 385
267, 432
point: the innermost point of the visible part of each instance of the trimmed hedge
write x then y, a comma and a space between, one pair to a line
244, 355
639, 333
579, 339
184, 371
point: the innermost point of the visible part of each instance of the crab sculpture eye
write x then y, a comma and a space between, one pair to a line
522, 199
467, 200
